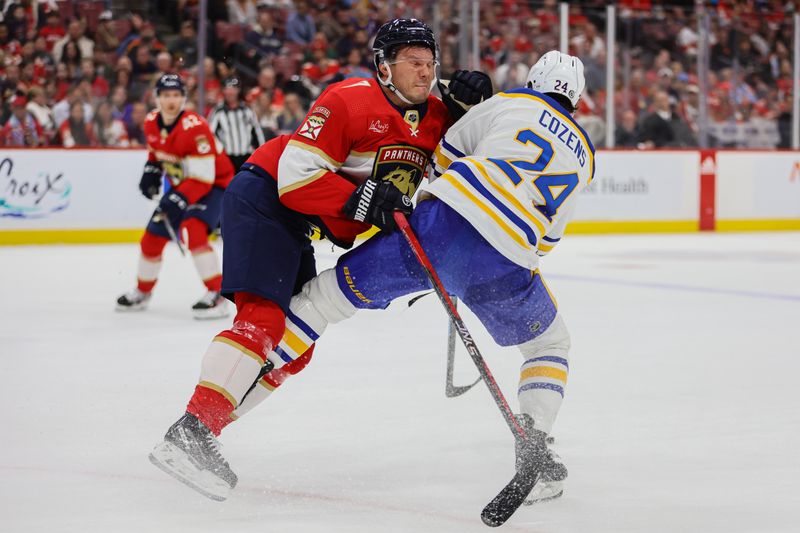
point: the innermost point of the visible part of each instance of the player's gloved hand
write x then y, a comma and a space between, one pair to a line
375, 202
464, 90
172, 206
150, 183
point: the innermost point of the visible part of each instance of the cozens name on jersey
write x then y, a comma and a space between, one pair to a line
565, 134
403, 154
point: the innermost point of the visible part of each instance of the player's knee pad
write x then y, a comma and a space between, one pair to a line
197, 233
543, 376
152, 245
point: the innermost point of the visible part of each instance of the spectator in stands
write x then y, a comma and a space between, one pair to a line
662, 128
147, 39
300, 26
41, 55
105, 35
53, 31
21, 129
241, 11
292, 115
267, 82
512, 74
143, 65
266, 113
355, 67
627, 134
62, 109
120, 107
184, 49
37, 106
75, 34
71, 57
263, 40
106, 130
62, 82
135, 126
74, 132
17, 22
99, 84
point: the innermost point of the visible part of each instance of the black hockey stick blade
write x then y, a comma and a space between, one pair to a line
451, 391
508, 500
413, 300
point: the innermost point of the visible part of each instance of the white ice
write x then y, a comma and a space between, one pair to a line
682, 411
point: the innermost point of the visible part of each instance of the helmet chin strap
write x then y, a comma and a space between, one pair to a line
392, 87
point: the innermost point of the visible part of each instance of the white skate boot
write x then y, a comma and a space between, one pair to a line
211, 305
134, 300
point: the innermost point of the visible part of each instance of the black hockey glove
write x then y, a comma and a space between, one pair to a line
375, 202
150, 183
464, 90
172, 206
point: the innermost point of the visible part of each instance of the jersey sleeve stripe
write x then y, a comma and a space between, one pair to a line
305, 328
551, 239
440, 160
296, 185
316, 151
200, 168
452, 149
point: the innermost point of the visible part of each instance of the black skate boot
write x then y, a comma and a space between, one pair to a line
211, 305
134, 300
191, 454
535, 458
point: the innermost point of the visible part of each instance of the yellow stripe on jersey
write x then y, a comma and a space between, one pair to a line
533, 217
544, 247
317, 151
314, 177
441, 159
569, 120
489, 211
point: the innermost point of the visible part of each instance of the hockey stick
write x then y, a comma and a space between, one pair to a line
451, 390
513, 495
173, 236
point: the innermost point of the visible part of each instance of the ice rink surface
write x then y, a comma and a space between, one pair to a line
682, 410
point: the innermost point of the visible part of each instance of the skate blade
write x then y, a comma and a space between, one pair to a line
177, 464
220, 311
131, 308
545, 491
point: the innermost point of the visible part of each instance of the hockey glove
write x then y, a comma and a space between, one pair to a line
375, 202
172, 206
464, 90
150, 183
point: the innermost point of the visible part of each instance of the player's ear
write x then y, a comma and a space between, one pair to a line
383, 69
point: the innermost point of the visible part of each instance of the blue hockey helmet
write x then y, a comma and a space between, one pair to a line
403, 32
170, 82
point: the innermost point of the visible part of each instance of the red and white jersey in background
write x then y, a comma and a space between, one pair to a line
351, 128
193, 160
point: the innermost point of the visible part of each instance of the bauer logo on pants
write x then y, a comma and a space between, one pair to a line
402, 165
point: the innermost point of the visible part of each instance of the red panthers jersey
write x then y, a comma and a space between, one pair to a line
192, 158
352, 132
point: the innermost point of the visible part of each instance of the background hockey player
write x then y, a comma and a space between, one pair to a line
359, 155
182, 149
507, 176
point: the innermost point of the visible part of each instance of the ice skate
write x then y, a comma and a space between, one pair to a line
211, 305
191, 454
535, 458
134, 300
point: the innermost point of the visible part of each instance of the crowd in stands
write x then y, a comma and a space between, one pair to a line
75, 74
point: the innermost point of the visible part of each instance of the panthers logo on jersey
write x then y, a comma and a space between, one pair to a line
402, 165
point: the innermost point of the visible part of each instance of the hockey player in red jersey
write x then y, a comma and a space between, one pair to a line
359, 155
181, 147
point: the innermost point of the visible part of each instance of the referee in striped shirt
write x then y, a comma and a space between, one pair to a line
235, 125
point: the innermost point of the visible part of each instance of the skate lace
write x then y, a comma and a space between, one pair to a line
213, 448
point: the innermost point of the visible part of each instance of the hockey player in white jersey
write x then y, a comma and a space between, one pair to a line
503, 182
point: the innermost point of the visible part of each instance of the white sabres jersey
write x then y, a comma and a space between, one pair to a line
513, 167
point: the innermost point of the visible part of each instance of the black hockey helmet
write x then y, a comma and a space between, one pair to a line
403, 32
170, 81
